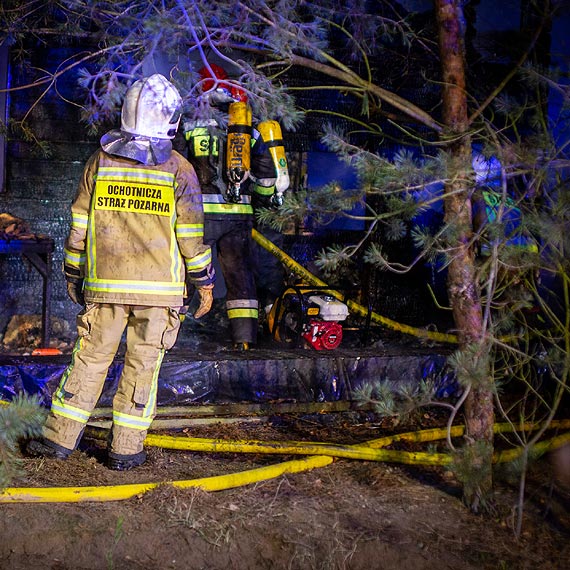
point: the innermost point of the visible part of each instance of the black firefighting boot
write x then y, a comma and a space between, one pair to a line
45, 448
241, 346
119, 462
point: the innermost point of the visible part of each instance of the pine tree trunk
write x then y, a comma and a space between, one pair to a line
462, 284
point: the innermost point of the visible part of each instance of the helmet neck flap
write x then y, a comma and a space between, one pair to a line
149, 152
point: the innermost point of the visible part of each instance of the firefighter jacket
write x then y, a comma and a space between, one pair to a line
206, 153
137, 232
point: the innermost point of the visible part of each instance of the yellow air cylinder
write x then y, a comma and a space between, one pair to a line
238, 143
271, 133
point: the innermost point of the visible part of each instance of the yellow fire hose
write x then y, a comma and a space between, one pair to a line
369, 451
324, 454
356, 308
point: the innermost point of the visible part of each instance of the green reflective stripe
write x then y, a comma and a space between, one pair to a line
531, 248
243, 313
144, 287
79, 220
91, 244
132, 422
242, 309
522, 242
264, 190
73, 259
189, 230
493, 201
59, 393
149, 409
175, 256
228, 209
200, 261
142, 422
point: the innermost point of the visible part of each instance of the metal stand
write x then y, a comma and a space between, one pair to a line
38, 252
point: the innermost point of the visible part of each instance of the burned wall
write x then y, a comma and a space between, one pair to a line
47, 147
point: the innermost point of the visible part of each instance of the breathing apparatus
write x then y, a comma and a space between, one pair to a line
238, 149
221, 92
238, 146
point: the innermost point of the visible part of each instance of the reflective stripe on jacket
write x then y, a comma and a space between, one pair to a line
136, 230
216, 204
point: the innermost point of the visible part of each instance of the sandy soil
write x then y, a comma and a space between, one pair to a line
348, 515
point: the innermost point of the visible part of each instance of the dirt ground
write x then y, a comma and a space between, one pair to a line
348, 515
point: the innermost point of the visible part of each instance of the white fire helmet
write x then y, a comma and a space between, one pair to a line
152, 108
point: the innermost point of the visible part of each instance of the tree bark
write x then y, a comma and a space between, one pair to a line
462, 283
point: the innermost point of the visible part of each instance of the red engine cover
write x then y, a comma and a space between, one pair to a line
323, 334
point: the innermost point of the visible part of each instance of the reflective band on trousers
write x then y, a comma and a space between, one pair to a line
60, 408
242, 309
243, 313
132, 422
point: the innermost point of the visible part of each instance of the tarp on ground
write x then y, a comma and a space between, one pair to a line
260, 377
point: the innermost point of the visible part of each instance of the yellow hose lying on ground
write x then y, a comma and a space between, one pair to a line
221, 482
369, 451
120, 492
353, 306
361, 452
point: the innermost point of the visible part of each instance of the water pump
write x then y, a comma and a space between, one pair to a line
307, 316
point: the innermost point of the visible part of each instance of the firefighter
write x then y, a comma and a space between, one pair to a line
234, 167
136, 236
497, 222
489, 203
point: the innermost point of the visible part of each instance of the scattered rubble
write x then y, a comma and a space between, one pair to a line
24, 333
12, 227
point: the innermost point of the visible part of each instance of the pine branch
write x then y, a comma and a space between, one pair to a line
20, 419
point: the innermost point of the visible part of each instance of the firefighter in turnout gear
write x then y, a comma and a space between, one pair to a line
136, 237
234, 166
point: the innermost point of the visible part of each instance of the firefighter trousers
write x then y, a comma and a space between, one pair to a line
233, 242
150, 331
